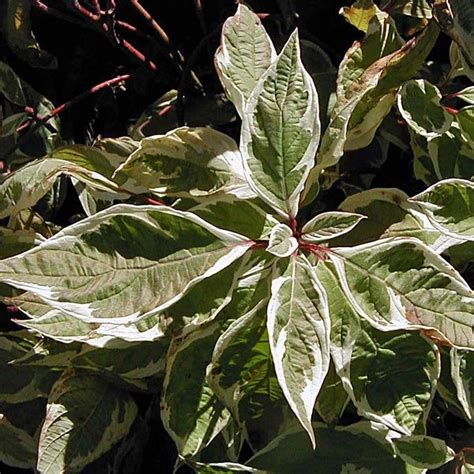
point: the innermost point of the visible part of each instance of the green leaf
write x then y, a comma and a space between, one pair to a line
241, 374
329, 225
25, 187
382, 383
449, 205
370, 71
245, 53
419, 104
280, 131
282, 243
455, 17
462, 373
18, 448
246, 217
298, 329
332, 399
191, 412
390, 213
187, 162
360, 13
465, 118
413, 8
13, 242
451, 154
95, 269
85, 417
359, 448
402, 284
466, 94
423, 451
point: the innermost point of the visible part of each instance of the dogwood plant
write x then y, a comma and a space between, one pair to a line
262, 324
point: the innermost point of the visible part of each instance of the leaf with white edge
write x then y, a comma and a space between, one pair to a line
282, 243
85, 417
423, 451
246, 52
246, 217
369, 72
26, 186
298, 330
280, 131
241, 374
13, 242
449, 205
124, 262
390, 213
361, 448
329, 225
18, 448
451, 154
187, 162
413, 8
466, 94
465, 118
382, 384
419, 104
190, 411
402, 284
462, 373
211, 468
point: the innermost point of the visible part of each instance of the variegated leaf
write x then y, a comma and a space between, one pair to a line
187, 162
465, 119
466, 94
280, 131
462, 373
85, 417
382, 384
123, 263
423, 451
329, 225
282, 243
449, 205
245, 53
402, 284
18, 448
298, 330
419, 104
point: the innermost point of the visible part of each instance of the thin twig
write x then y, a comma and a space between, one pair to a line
40, 121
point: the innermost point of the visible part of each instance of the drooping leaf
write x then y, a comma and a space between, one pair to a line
298, 329
123, 262
85, 417
449, 205
245, 53
382, 384
329, 225
191, 412
419, 104
390, 213
402, 284
280, 131
462, 373
369, 75
423, 451
187, 162
241, 374
358, 448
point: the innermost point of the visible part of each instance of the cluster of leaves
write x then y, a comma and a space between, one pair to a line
271, 332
